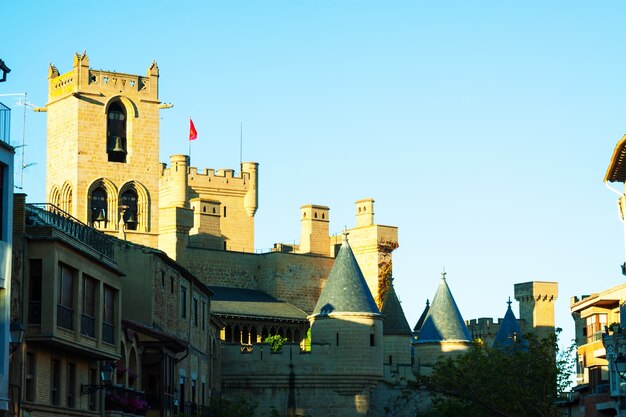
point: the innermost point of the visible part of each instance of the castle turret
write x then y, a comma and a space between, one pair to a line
251, 200
509, 332
364, 212
536, 306
314, 234
397, 338
347, 319
444, 330
178, 180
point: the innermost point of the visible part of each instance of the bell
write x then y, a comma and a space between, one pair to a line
131, 219
118, 145
101, 216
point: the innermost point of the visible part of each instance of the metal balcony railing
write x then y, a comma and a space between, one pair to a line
87, 325
5, 123
108, 332
51, 215
65, 317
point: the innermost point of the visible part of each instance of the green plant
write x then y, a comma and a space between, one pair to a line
276, 342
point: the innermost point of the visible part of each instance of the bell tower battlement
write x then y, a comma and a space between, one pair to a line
103, 148
84, 80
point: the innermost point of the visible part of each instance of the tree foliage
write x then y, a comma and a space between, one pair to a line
276, 342
519, 381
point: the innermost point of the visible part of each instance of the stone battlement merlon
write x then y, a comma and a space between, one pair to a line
220, 173
82, 79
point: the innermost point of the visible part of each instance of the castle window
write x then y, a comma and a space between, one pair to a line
183, 302
116, 133
224, 211
129, 200
337, 339
99, 206
372, 340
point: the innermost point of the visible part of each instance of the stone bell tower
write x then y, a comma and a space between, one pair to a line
103, 148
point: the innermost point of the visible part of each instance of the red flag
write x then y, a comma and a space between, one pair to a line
193, 134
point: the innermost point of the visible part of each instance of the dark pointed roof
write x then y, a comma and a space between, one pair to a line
420, 321
509, 332
444, 321
394, 321
346, 290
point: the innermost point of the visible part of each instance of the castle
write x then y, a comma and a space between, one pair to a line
189, 303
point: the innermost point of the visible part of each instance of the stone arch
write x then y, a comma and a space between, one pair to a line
55, 196
143, 204
119, 113
111, 203
129, 105
65, 202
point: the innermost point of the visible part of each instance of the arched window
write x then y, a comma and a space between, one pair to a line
116, 133
129, 200
99, 211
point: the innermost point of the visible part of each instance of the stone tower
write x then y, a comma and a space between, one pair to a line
103, 148
536, 306
314, 233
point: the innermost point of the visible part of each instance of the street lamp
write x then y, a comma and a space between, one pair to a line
620, 365
106, 375
17, 335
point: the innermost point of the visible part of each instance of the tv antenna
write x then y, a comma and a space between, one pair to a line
22, 101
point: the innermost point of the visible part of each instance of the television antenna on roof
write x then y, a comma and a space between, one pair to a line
22, 101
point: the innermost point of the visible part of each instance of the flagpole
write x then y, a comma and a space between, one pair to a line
240, 143
189, 145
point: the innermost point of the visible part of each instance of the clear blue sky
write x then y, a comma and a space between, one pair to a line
482, 129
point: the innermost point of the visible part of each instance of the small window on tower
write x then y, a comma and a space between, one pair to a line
116, 133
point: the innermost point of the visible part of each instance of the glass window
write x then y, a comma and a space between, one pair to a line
183, 302
71, 385
34, 291
29, 377
108, 316
55, 383
595, 327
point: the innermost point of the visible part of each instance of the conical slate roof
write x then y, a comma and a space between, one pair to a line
394, 321
444, 321
420, 321
346, 290
509, 332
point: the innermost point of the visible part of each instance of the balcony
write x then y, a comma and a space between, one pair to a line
5, 123
65, 317
108, 332
87, 325
48, 214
